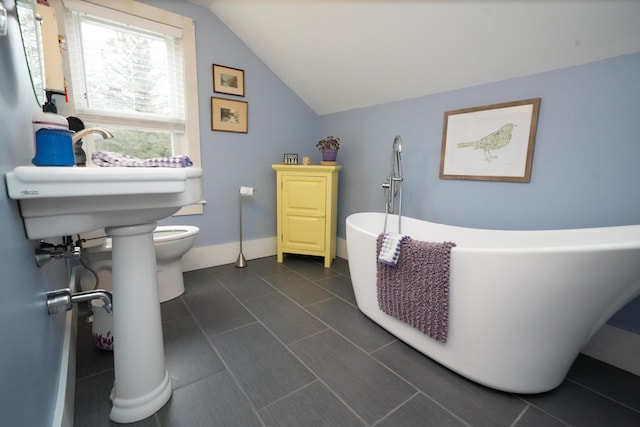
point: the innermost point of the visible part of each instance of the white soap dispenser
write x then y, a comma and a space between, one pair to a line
48, 118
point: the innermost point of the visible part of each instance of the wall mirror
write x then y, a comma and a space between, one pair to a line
30, 23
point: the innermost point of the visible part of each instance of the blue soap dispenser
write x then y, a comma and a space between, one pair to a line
53, 143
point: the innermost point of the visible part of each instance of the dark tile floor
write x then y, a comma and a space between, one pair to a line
284, 345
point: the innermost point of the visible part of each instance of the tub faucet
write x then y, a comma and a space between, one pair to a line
393, 183
84, 132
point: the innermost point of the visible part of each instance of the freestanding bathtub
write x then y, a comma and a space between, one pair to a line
522, 303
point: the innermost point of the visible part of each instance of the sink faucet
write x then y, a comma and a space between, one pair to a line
84, 132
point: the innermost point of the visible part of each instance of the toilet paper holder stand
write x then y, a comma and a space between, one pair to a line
241, 261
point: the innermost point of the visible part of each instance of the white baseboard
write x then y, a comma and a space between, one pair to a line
341, 248
616, 347
211, 256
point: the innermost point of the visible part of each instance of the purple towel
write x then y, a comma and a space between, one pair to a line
109, 159
416, 290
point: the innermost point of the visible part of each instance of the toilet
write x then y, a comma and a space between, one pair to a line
171, 243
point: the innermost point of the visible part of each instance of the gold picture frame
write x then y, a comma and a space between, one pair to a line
490, 143
228, 80
228, 115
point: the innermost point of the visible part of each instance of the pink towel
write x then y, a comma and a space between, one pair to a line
416, 290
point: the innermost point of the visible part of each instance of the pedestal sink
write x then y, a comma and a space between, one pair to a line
61, 201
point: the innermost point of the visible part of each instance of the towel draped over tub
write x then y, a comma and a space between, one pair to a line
416, 290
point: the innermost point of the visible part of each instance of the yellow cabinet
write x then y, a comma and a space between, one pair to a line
307, 210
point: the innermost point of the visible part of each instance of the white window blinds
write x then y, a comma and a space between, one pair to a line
126, 74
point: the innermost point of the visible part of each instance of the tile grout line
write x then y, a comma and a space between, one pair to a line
365, 352
391, 412
286, 346
610, 398
521, 417
222, 360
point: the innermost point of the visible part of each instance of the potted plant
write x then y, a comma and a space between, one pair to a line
329, 147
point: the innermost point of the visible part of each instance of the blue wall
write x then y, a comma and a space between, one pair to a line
30, 339
584, 174
584, 171
279, 122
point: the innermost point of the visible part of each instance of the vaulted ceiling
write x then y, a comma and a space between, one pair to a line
339, 55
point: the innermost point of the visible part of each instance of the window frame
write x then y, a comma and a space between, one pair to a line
140, 11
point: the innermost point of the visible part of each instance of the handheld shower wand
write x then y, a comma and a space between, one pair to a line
393, 183
396, 172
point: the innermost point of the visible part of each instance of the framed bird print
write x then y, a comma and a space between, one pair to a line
490, 143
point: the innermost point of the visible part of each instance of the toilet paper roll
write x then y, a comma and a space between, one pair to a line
246, 191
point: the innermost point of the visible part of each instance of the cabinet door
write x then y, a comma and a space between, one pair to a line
304, 212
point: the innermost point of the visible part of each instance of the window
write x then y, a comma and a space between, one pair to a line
129, 80
131, 65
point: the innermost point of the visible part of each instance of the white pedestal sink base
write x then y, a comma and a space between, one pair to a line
57, 201
142, 384
132, 410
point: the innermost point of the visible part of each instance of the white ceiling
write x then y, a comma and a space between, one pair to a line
338, 55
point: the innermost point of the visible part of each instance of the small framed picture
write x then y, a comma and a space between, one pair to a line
228, 80
290, 159
228, 115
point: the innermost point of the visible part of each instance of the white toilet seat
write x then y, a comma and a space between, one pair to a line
165, 233
171, 242
99, 242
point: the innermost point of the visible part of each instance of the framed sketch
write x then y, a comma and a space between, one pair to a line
228, 80
490, 143
228, 115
